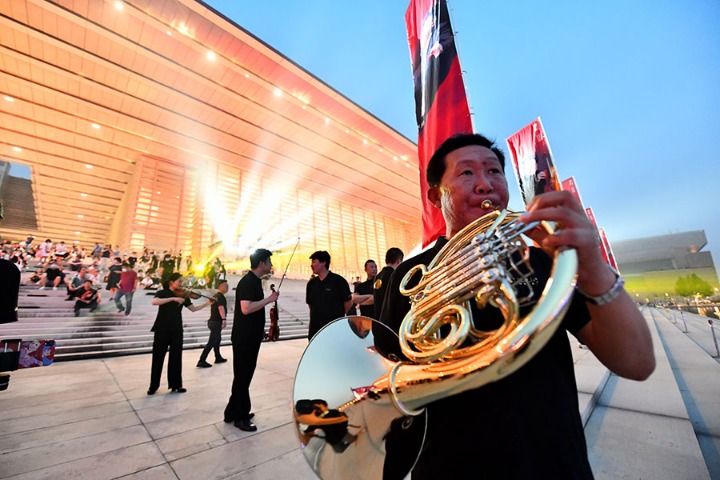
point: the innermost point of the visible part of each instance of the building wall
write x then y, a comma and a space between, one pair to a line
218, 210
651, 266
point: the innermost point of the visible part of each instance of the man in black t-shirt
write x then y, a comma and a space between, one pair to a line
247, 335
363, 296
327, 294
216, 323
393, 257
535, 409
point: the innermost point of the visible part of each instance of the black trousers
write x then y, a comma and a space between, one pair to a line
164, 340
245, 354
213, 342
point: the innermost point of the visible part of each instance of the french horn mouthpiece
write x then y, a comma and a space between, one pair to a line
486, 205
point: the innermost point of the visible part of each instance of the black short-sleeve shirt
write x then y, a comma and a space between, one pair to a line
248, 288
382, 280
366, 288
528, 424
220, 301
326, 299
169, 316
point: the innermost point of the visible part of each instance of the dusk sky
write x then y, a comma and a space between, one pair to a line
628, 92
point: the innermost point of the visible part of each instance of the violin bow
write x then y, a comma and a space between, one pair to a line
288, 264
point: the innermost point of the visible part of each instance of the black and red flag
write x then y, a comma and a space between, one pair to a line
440, 102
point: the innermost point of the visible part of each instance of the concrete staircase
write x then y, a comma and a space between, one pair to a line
44, 314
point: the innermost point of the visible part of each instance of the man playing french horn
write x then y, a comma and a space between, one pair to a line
526, 425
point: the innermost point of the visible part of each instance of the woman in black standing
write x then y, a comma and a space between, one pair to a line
168, 328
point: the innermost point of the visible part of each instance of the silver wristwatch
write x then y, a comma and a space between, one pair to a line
608, 296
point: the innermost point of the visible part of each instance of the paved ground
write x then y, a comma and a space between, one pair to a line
91, 419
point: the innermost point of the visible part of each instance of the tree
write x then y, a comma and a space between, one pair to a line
692, 284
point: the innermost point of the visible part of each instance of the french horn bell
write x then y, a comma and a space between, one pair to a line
347, 396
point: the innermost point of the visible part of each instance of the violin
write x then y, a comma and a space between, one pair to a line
274, 332
183, 292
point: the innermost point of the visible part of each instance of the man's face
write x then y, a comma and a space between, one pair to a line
472, 175
223, 287
317, 266
371, 269
267, 266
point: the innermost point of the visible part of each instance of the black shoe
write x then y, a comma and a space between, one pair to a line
121, 310
179, 390
151, 391
231, 420
246, 425
220, 360
203, 364
77, 312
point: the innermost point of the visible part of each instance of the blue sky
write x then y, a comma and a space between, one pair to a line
629, 92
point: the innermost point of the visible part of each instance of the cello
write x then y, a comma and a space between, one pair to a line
274, 331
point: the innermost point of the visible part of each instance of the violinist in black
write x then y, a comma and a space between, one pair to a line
168, 328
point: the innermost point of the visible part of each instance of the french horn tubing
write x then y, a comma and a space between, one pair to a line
347, 396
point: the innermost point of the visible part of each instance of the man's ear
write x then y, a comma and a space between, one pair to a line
433, 194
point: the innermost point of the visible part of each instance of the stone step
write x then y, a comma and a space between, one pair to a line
644, 420
106, 332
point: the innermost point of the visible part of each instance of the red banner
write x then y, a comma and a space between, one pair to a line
608, 250
532, 161
441, 105
569, 185
604, 244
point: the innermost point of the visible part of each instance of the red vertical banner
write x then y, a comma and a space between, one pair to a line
441, 105
604, 244
608, 250
533, 162
569, 185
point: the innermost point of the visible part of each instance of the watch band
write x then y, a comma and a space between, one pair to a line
608, 296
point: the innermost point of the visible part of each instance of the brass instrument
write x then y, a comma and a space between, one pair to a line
364, 392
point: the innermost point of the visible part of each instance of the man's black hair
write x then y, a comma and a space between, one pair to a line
221, 282
368, 261
436, 164
323, 257
259, 255
393, 255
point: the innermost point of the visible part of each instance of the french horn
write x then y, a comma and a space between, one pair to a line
347, 395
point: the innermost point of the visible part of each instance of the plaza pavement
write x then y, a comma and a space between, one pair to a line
91, 419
